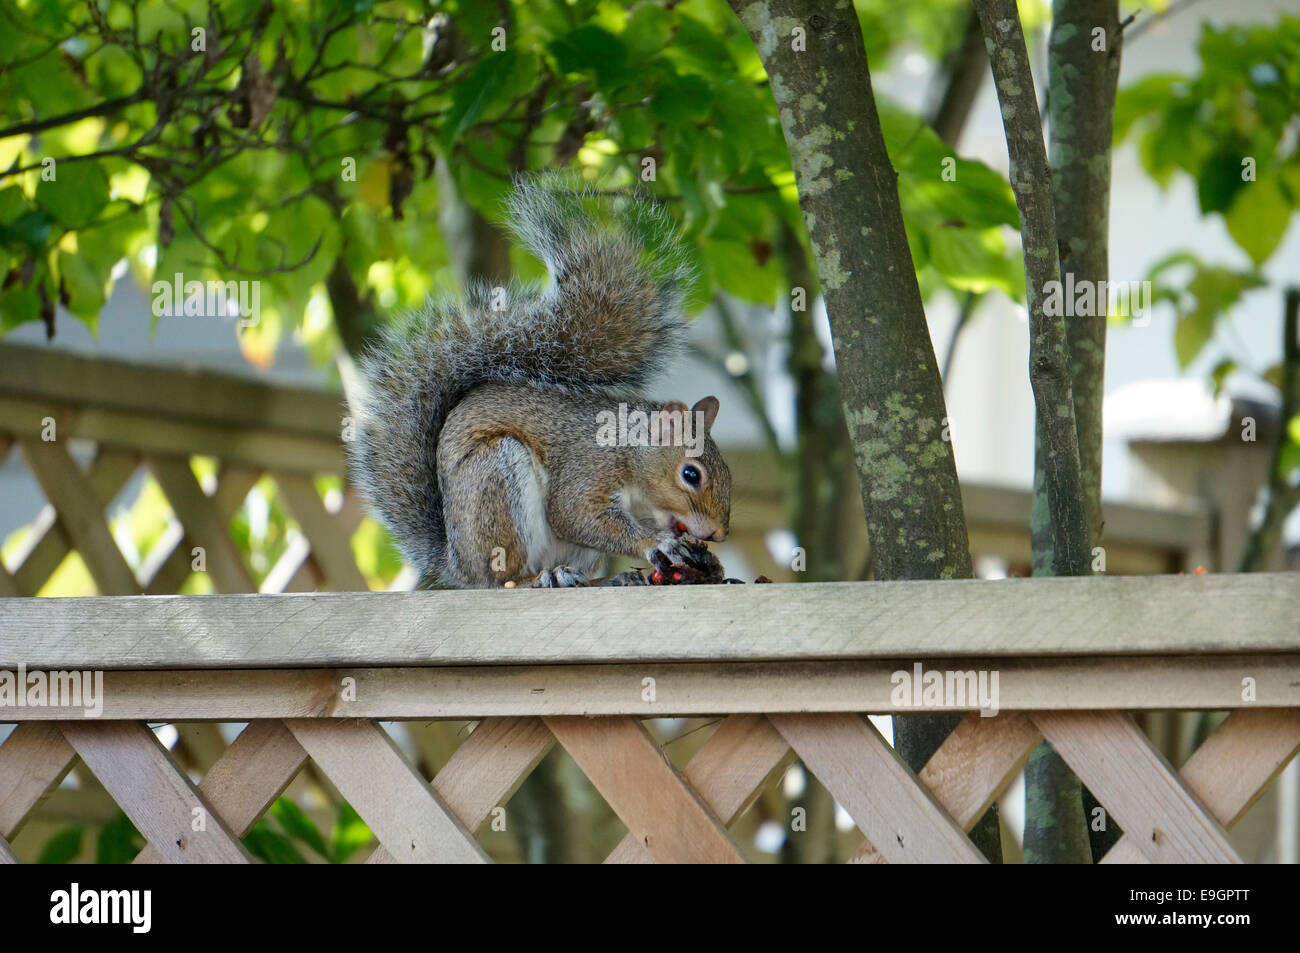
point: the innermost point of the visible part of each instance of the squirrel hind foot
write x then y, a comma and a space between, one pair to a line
561, 577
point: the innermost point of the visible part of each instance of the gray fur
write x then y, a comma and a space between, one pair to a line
607, 320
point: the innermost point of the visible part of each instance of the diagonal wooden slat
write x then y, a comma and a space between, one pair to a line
728, 772
977, 761
972, 767
204, 524
331, 549
247, 778
33, 760
1135, 783
296, 570
160, 800
1231, 769
490, 765
485, 770
898, 815
81, 515
168, 564
293, 571
6, 853
47, 544
368, 769
656, 803
347, 521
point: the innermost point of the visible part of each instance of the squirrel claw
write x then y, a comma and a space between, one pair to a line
561, 577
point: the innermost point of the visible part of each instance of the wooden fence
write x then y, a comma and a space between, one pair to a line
790, 669
136, 416
781, 672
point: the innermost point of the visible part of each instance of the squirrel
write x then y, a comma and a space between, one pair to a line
479, 439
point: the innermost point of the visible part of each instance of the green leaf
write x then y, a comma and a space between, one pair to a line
118, 842
62, 847
736, 270
592, 49
19, 305
28, 232
1219, 180
976, 260
85, 286
350, 833
1191, 335
269, 845
1148, 95
697, 45
76, 195
1289, 461
1217, 288
744, 121
1220, 374
299, 825
977, 197
1258, 218
682, 99
648, 30
478, 91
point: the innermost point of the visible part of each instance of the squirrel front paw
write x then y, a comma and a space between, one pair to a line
685, 551
561, 577
633, 577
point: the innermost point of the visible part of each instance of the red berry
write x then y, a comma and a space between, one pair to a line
657, 578
677, 577
681, 527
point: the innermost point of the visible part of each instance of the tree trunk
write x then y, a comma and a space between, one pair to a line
1081, 113
1082, 80
889, 379
825, 497
1064, 221
1049, 359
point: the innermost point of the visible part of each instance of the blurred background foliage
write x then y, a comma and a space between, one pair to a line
230, 161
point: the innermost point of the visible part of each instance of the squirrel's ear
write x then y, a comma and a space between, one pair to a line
669, 428
709, 405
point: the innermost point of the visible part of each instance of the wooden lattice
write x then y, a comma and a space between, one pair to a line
671, 815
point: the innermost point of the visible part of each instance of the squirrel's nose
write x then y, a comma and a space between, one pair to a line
719, 536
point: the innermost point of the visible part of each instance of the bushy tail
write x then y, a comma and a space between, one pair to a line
607, 321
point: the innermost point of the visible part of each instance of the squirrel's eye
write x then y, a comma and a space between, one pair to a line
691, 475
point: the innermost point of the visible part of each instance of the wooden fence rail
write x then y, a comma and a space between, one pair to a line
792, 670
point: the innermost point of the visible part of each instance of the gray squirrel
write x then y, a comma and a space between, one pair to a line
479, 439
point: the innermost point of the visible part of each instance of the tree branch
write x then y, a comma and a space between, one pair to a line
962, 82
1081, 125
106, 108
1048, 349
1280, 497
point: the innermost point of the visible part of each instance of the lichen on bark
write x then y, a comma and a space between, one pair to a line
889, 377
